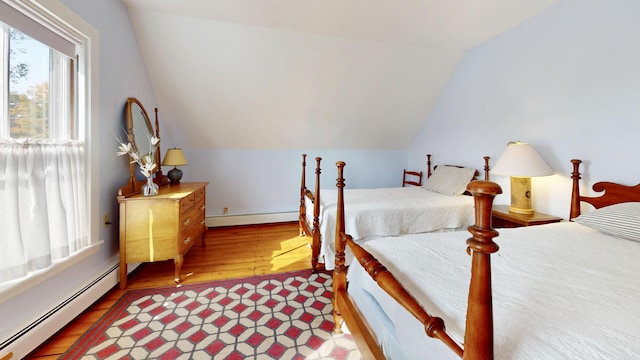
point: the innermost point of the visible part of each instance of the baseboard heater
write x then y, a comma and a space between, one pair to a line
36, 333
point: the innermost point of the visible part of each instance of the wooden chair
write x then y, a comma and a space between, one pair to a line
409, 178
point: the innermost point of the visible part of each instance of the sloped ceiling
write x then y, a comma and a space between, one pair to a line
291, 74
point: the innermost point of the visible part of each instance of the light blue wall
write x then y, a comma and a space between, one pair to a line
566, 81
268, 181
122, 74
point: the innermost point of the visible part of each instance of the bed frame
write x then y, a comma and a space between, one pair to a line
478, 338
313, 229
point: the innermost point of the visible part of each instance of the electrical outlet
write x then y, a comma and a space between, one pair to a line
105, 220
225, 210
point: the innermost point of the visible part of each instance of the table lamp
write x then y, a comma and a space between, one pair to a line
520, 161
174, 157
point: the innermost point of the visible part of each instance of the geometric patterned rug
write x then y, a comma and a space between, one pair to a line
275, 316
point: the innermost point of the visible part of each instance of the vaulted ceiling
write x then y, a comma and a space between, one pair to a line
291, 74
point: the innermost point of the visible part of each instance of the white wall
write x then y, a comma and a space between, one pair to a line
122, 74
567, 81
226, 84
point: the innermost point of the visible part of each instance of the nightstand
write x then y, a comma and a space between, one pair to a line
502, 218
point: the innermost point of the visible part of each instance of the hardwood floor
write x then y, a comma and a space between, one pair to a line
229, 252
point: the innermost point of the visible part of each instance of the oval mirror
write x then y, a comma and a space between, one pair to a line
139, 129
138, 123
139, 133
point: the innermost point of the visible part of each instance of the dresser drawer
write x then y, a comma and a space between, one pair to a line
190, 216
194, 230
199, 196
186, 240
187, 203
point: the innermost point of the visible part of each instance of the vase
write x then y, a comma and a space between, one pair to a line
150, 188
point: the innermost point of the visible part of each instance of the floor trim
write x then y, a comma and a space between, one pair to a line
235, 220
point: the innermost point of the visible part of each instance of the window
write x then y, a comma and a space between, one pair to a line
40, 94
45, 137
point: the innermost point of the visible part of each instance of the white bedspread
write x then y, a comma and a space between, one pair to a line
389, 211
560, 291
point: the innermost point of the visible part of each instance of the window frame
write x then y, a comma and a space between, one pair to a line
53, 14
4, 86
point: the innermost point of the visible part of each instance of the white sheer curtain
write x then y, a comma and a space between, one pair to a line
43, 207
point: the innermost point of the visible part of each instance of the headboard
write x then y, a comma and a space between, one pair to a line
612, 193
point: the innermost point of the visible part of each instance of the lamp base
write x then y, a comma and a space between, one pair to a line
174, 175
521, 211
521, 195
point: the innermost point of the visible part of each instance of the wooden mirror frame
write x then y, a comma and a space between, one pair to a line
160, 179
137, 124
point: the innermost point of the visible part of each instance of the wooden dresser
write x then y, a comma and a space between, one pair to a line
161, 227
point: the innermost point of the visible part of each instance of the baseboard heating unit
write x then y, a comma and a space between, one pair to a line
33, 335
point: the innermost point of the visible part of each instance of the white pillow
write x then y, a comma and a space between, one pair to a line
449, 180
621, 220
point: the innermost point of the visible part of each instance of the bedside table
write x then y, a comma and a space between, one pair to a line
502, 218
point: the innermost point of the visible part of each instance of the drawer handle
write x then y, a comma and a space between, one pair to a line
187, 240
202, 208
203, 222
186, 222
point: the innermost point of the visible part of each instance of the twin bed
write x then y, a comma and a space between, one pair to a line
436, 205
568, 290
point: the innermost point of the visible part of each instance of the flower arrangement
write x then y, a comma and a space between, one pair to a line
146, 162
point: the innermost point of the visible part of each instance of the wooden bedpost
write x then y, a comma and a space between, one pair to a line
486, 168
343, 307
478, 338
428, 166
340, 270
303, 187
575, 191
315, 233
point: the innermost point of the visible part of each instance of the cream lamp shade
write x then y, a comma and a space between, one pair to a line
521, 161
174, 157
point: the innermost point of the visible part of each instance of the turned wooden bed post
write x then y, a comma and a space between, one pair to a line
575, 190
340, 270
315, 233
303, 187
486, 168
428, 166
478, 337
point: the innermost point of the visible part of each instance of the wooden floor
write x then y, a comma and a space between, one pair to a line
229, 252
